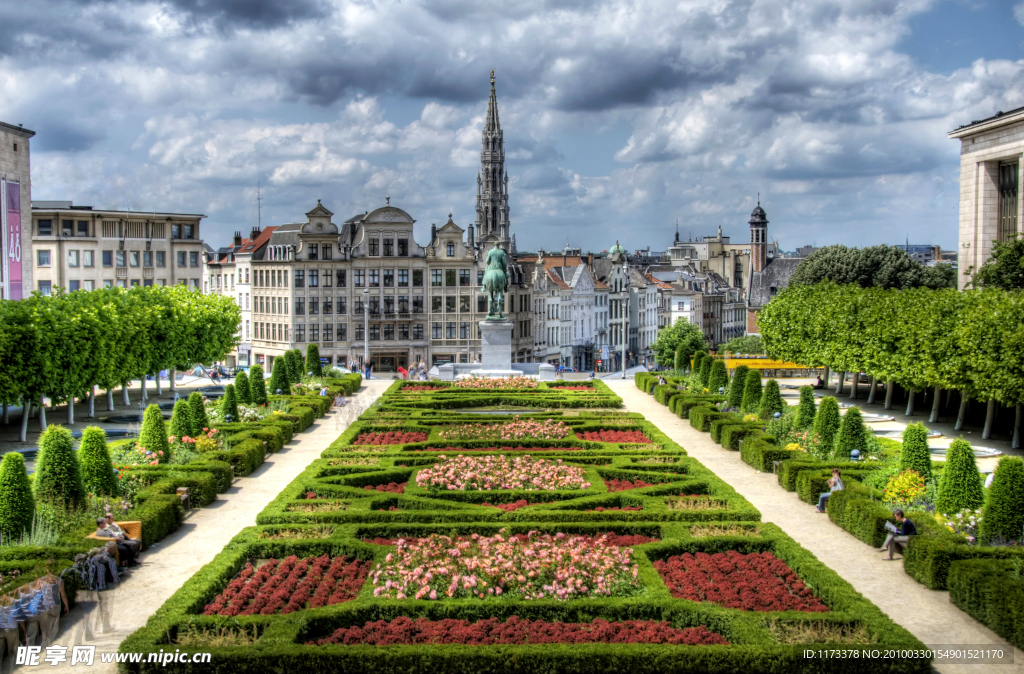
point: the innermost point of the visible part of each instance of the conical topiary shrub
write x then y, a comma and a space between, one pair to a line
242, 389
719, 378
698, 358
97, 468
153, 435
705, 370
181, 420
16, 503
677, 361
771, 401
826, 423
58, 475
313, 360
752, 392
1003, 517
915, 454
739, 380
257, 385
279, 383
293, 359
960, 486
198, 410
851, 434
805, 410
229, 405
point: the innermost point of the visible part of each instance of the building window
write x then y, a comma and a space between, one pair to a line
1008, 188
417, 331
436, 303
463, 330
435, 331
341, 278
464, 303
133, 258
328, 332
134, 283
389, 248
449, 277
108, 258
72, 258
314, 278
122, 259
314, 254
67, 227
389, 331
193, 258
389, 305
403, 304
44, 227
108, 284
417, 278
403, 278
342, 305
436, 277
449, 331
190, 233
374, 305
176, 231
374, 333
359, 332
83, 228
300, 332
449, 303
300, 306
73, 286
464, 277
343, 332
403, 247
314, 306
147, 258
147, 283
314, 332
247, 329
88, 285
328, 278
481, 303
42, 260
374, 246
389, 278
359, 279
417, 304
328, 305
45, 288
451, 249
300, 278
327, 250
403, 331
479, 277
374, 278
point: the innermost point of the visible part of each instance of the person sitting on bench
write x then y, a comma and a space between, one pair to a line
835, 484
125, 554
901, 535
819, 384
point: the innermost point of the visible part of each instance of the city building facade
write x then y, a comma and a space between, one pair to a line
16, 279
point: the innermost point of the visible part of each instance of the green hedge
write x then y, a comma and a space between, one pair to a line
727, 419
761, 451
732, 435
992, 591
811, 484
246, 456
702, 416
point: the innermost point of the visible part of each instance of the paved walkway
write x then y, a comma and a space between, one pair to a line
928, 614
105, 619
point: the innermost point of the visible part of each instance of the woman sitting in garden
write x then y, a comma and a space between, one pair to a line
835, 484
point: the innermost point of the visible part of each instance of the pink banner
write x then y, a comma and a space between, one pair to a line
14, 248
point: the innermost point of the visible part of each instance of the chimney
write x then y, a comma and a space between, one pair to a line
255, 233
238, 238
433, 232
590, 261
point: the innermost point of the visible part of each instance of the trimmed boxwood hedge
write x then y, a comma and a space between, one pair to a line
992, 591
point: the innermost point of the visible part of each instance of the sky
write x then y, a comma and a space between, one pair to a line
620, 118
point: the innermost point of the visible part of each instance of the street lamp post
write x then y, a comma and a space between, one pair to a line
366, 329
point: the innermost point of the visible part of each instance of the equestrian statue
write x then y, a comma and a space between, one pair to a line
496, 282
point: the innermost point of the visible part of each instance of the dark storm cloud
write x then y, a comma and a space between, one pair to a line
62, 137
253, 13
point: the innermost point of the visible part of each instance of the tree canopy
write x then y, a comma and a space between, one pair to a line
877, 266
744, 344
684, 336
1004, 270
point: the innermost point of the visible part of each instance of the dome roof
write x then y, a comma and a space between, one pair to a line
758, 216
617, 248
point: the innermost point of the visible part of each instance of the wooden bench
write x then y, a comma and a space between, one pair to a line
183, 495
132, 529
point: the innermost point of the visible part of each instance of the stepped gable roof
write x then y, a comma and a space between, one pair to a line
776, 273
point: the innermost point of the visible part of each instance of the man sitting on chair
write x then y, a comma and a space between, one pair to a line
122, 538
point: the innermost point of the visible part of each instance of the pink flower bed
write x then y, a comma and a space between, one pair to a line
517, 429
606, 435
533, 566
290, 585
393, 487
498, 449
423, 388
485, 473
496, 383
491, 631
390, 438
757, 581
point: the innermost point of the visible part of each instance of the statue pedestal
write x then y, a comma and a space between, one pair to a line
496, 348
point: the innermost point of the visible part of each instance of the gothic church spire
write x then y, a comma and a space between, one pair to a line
492, 221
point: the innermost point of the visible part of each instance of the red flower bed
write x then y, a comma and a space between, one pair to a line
574, 388
423, 388
311, 494
610, 538
291, 585
393, 487
606, 435
390, 438
509, 507
753, 582
460, 450
601, 509
615, 484
406, 631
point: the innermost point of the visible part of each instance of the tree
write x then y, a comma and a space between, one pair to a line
877, 266
198, 410
230, 404
1004, 270
182, 423
826, 423
242, 389
960, 486
771, 401
719, 377
257, 385
744, 344
698, 359
914, 454
705, 370
682, 336
739, 380
153, 435
313, 360
16, 503
852, 434
97, 468
805, 410
1003, 516
677, 362
293, 359
279, 383
58, 475
752, 392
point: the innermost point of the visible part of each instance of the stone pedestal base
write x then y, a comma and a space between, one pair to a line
496, 349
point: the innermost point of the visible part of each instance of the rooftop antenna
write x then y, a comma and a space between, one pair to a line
259, 205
